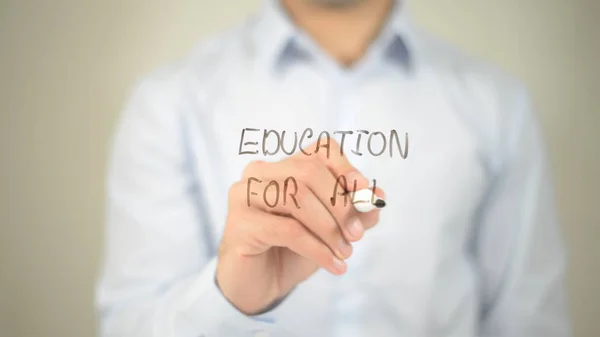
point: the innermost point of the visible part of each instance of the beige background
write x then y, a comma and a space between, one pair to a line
67, 65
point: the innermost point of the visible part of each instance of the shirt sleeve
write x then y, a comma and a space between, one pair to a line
158, 275
518, 247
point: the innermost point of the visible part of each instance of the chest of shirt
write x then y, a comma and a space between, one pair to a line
431, 172
411, 141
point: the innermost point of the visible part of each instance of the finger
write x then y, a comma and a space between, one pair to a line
332, 192
280, 231
332, 155
361, 222
309, 210
316, 176
320, 180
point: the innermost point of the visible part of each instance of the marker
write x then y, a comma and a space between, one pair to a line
362, 201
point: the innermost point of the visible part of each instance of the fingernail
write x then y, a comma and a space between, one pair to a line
345, 249
339, 265
359, 178
356, 228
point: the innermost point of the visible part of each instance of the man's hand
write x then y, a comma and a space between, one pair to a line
266, 251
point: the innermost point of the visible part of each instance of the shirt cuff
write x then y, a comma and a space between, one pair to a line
207, 310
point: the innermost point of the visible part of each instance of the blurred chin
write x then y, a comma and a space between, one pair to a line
336, 3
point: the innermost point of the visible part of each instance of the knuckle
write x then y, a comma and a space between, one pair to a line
291, 229
322, 254
238, 220
237, 191
335, 232
372, 221
264, 231
332, 235
341, 213
307, 169
234, 191
369, 220
334, 145
253, 168
304, 194
237, 217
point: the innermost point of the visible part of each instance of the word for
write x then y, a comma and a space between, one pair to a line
273, 142
273, 189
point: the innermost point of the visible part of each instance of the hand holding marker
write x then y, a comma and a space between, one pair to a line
271, 246
365, 201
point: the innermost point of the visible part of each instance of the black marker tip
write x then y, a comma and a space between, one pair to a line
379, 203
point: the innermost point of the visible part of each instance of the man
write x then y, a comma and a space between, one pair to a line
200, 243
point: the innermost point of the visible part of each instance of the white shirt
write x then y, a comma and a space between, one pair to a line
469, 244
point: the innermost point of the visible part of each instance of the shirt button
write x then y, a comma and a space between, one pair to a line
261, 333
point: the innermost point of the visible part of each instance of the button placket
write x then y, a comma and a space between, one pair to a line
347, 303
261, 333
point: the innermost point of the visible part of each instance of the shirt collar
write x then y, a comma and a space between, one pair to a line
275, 36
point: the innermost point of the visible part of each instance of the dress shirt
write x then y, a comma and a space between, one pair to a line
468, 245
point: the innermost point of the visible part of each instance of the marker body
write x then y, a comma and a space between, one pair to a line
365, 201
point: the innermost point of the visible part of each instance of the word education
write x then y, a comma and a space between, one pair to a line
272, 142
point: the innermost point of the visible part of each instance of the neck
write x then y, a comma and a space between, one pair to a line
344, 32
